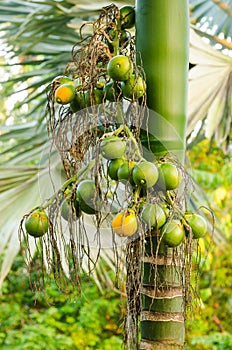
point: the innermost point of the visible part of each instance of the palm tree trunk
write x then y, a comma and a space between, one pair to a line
162, 41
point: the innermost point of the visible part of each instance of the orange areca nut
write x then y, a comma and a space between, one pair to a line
125, 223
65, 94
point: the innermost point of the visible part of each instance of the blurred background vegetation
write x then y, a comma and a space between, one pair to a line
36, 42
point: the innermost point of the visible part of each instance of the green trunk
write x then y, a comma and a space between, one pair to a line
162, 41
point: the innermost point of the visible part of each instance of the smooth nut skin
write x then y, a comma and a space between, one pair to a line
112, 147
173, 233
145, 174
197, 224
154, 216
36, 224
125, 224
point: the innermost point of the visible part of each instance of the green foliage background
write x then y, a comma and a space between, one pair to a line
49, 319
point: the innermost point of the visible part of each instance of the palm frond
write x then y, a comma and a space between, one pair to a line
22, 143
209, 90
212, 16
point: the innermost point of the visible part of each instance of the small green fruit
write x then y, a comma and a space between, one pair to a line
88, 196
168, 177
145, 174
87, 209
67, 210
112, 147
133, 88
96, 98
127, 16
125, 171
197, 223
86, 191
75, 104
85, 99
173, 233
119, 68
113, 167
36, 224
154, 216
112, 91
62, 79
124, 37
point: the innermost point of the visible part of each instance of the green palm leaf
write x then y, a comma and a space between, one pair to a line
210, 92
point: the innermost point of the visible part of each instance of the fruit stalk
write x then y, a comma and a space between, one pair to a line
162, 41
130, 136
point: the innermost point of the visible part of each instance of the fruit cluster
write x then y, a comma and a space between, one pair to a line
117, 77
161, 179
153, 187
36, 223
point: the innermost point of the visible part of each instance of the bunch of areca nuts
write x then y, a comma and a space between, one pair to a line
158, 212
153, 185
